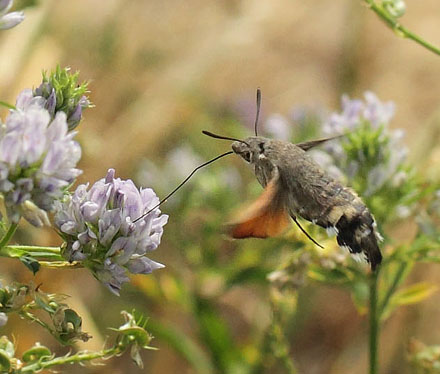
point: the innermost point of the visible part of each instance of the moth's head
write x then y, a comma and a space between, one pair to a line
250, 149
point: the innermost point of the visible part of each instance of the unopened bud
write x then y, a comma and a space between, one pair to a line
34, 215
396, 8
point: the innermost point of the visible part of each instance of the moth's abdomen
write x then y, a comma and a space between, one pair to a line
358, 233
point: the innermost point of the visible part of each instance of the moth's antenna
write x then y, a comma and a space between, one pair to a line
212, 135
258, 109
182, 183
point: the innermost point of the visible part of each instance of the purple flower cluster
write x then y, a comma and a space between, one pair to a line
9, 20
47, 94
390, 153
99, 229
38, 158
354, 111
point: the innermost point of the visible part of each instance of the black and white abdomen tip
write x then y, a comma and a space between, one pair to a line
359, 235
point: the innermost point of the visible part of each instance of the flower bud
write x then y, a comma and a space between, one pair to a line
395, 8
34, 215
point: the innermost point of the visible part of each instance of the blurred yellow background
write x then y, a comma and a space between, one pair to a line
154, 66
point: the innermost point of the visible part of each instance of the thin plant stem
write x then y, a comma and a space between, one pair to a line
48, 257
394, 284
49, 254
9, 234
35, 248
77, 358
374, 323
60, 264
398, 28
7, 105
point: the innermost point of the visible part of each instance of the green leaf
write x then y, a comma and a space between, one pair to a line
31, 263
217, 337
414, 293
183, 345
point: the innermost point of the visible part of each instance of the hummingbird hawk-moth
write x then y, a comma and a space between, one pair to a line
296, 186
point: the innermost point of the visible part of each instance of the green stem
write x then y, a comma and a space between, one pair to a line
398, 28
396, 281
281, 348
48, 257
34, 248
7, 105
11, 231
61, 264
374, 323
78, 358
29, 316
51, 254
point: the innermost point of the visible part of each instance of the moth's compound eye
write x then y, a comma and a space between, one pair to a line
261, 145
247, 156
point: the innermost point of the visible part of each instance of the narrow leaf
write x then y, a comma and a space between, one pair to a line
31, 263
414, 293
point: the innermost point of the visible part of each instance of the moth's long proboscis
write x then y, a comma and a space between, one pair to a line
182, 183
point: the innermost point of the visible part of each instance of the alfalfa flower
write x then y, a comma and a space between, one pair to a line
38, 158
99, 228
369, 150
370, 155
9, 20
59, 92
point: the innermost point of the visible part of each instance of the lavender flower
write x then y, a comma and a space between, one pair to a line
59, 92
375, 148
38, 160
26, 99
9, 20
355, 111
370, 155
99, 229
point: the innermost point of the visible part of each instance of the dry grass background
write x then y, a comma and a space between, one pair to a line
154, 64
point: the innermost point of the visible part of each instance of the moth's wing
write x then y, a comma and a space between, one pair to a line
313, 143
267, 216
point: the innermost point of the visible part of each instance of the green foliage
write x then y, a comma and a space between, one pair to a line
68, 91
65, 323
131, 335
